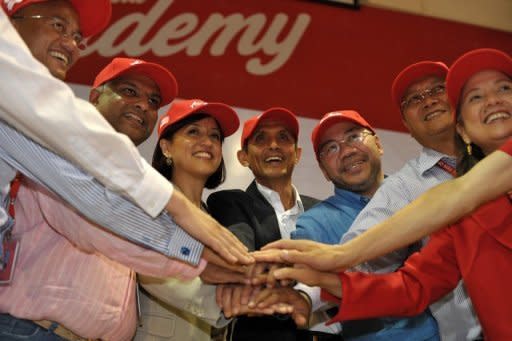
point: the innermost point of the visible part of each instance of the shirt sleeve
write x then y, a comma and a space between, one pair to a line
507, 147
388, 199
89, 197
93, 239
45, 109
426, 276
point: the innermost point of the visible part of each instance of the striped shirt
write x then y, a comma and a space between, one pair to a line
75, 273
454, 312
92, 199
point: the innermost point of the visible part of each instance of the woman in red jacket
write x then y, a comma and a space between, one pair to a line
477, 248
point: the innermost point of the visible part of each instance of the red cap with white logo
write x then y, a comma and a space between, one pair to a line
280, 114
159, 74
225, 116
329, 119
414, 73
94, 15
473, 62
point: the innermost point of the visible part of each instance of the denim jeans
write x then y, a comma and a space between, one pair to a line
15, 329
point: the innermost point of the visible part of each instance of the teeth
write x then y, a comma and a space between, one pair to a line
135, 117
273, 158
204, 155
353, 165
496, 116
60, 56
432, 115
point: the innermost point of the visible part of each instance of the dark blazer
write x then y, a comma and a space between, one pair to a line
253, 220
249, 215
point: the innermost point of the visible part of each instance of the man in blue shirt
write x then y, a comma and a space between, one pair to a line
349, 154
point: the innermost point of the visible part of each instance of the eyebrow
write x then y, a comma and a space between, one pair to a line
127, 82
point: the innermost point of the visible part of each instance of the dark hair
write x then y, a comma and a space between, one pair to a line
159, 160
465, 161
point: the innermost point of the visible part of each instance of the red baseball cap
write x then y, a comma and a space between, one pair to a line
412, 74
329, 119
159, 74
225, 116
281, 114
94, 15
473, 62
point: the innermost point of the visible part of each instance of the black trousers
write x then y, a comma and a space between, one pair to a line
270, 328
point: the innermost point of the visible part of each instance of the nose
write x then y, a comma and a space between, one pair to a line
430, 101
71, 47
493, 98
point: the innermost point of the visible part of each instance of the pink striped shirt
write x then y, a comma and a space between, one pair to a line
63, 273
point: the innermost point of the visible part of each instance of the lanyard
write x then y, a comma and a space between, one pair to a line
15, 186
447, 167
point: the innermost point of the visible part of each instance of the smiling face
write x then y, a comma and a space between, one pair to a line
57, 52
426, 120
486, 110
356, 167
130, 104
195, 149
271, 152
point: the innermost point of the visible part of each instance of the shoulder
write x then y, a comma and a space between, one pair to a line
308, 202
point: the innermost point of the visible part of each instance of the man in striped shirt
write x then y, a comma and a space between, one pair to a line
71, 274
419, 94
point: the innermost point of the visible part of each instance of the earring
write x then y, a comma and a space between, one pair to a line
168, 161
469, 149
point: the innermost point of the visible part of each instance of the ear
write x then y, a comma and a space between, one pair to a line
94, 96
298, 154
242, 158
164, 146
406, 124
462, 132
322, 168
379, 145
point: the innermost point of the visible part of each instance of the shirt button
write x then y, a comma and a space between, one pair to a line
185, 251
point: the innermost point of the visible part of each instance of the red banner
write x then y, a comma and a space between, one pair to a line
309, 57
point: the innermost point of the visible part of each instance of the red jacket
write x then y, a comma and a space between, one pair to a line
478, 248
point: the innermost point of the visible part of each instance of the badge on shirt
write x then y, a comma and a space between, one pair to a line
11, 254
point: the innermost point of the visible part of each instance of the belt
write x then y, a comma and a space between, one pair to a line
60, 331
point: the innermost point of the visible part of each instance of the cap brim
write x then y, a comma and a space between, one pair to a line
473, 62
163, 78
226, 117
283, 115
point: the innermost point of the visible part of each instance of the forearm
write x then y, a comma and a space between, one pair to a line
435, 209
94, 201
50, 114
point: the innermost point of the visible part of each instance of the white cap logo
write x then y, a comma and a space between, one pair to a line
10, 3
195, 104
136, 61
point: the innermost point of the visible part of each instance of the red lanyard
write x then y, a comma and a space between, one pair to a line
447, 168
15, 186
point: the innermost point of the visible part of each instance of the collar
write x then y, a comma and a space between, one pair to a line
275, 200
429, 159
350, 196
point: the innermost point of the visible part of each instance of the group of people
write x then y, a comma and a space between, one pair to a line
98, 244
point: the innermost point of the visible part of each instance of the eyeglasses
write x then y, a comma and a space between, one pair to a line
416, 99
332, 148
60, 26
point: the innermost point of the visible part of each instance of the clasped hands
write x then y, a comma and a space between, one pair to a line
266, 287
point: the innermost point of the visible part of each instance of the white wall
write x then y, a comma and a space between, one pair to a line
398, 148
